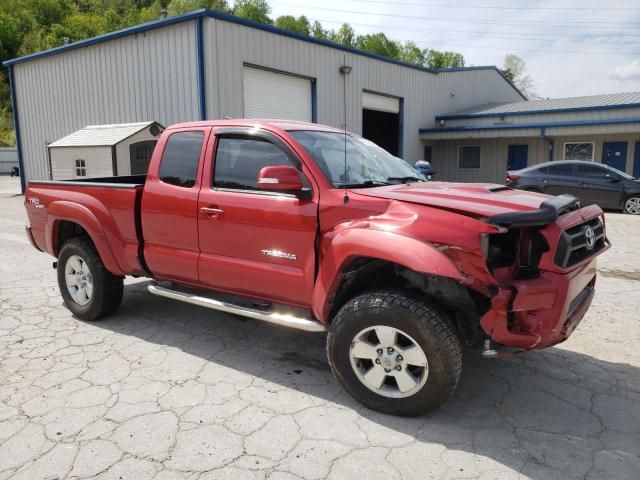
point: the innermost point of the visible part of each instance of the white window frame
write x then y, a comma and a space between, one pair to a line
593, 150
81, 169
460, 147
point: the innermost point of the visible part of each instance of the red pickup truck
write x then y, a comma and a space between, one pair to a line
314, 228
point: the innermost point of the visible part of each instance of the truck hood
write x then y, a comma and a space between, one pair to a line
475, 199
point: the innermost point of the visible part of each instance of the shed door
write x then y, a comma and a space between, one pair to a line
269, 94
517, 156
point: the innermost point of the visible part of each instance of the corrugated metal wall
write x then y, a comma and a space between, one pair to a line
493, 154
493, 158
229, 46
148, 76
153, 75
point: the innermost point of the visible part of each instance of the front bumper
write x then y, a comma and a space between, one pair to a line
541, 312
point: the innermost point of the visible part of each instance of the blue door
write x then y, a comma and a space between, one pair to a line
614, 154
636, 161
517, 157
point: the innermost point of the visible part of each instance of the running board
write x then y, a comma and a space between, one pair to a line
286, 320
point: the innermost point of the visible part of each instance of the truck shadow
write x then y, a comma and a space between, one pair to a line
547, 414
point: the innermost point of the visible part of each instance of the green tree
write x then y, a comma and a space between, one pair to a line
378, 43
256, 10
516, 70
345, 35
318, 32
411, 53
289, 22
177, 7
437, 59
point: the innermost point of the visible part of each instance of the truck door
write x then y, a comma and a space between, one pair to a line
170, 205
252, 241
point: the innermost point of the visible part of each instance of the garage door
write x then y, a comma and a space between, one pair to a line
276, 95
380, 103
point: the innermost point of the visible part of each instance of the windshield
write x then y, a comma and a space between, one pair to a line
367, 163
619, 172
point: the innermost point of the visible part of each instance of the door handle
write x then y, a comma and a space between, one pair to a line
211, 211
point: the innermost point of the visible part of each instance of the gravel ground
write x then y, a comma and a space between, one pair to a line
165, 391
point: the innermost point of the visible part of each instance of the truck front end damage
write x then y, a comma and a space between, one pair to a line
545, 269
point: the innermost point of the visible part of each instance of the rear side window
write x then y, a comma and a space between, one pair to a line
180, 158
592, 171
562, 169
239, 160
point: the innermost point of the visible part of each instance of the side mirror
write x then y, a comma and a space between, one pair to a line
279, 178
612, 178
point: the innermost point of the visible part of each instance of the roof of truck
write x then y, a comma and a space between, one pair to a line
258, 122
101, 135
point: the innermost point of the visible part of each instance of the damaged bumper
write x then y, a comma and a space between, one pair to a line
541, 312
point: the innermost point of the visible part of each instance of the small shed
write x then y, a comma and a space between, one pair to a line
104, 151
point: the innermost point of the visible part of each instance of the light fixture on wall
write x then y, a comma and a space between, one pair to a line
345, 69
442, 122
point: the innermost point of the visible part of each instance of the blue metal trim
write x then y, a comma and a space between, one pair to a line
202, 86
401, 127
16, 126
314, 101
536, 112
583, 123
484, 67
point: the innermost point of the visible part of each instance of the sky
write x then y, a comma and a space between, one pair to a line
570, 47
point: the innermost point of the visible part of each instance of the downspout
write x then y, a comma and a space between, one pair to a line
549, 141
202, 98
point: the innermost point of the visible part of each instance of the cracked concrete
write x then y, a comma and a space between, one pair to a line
166, 391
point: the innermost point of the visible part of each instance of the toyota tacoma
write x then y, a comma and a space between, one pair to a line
314, 228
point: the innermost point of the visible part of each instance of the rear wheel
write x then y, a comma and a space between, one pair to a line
395, 354
88, 289
632, 205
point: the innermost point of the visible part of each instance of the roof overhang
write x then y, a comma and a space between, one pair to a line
547, 129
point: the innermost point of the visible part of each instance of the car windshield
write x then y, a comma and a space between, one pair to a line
619, 172
368, 165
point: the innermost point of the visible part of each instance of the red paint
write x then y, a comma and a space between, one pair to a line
292, 249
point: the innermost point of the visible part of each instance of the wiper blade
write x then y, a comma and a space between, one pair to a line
405, 179
366, 183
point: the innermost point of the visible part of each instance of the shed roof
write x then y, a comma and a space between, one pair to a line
101, 135
550, 105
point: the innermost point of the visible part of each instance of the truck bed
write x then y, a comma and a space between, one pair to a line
108, 208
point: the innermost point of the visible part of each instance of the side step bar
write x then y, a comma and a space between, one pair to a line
286, 320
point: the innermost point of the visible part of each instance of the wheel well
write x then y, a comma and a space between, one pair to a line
68, 230
463, 306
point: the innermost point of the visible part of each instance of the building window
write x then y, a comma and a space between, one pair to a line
579, 151
469, 156
81, 168
180, 158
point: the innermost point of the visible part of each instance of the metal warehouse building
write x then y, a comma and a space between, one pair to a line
208, 65
481, 143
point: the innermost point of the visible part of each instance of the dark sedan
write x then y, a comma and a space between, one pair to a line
590, 182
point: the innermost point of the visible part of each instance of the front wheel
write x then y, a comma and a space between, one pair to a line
88, 289
394, 353
632, 205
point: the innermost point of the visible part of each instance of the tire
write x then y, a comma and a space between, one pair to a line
632, 205
355, 332
103, 291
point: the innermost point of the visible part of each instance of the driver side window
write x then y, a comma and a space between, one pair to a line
238, 161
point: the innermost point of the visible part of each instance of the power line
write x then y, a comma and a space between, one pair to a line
499, 35
520, 23
493, 7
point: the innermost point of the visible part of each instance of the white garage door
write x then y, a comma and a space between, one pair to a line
276, 95
381, 103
